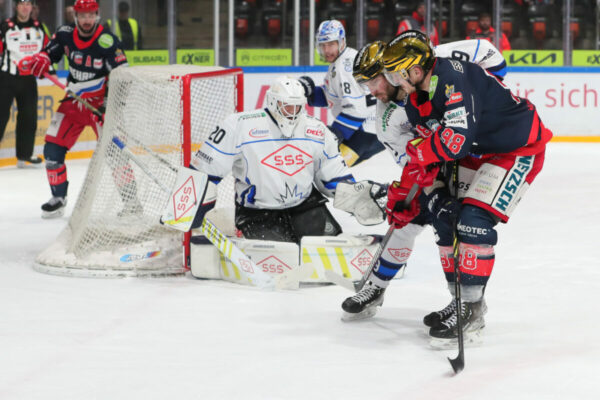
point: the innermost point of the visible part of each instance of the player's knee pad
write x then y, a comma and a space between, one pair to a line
476, 226
54, 155
443, 228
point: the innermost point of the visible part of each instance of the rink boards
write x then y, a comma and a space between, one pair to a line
567, 99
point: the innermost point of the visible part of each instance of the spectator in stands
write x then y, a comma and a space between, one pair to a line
417, 22
35, 14
485, 31
69, 15
127, 30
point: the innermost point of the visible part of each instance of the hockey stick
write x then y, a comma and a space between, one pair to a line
458, 363
74, 95
409, 198
24, 67
247, 268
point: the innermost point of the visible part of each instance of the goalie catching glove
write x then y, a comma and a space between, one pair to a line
365, 200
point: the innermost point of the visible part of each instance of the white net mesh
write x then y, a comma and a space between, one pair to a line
114, 229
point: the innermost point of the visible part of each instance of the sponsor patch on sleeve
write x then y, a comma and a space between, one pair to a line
315, 133
456, 118
454, 98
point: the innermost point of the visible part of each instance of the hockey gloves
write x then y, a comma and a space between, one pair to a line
308, 84
399, 215
442, 205
40, 64
423, 176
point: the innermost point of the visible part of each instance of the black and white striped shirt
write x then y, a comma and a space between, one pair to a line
18, 40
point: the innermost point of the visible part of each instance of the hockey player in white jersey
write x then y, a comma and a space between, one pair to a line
477, 51
394, 131
283, 161
353, 109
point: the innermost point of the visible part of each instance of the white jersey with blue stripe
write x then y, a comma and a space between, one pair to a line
272, 171
394, 130
476, 51
350, 105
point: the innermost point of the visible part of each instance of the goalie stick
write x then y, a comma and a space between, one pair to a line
357, 286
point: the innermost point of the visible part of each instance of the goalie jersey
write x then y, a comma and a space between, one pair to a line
270, 170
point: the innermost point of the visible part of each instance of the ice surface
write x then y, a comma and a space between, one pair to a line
181, 338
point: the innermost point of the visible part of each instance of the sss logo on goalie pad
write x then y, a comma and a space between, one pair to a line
273, 265
184, 198
362, 261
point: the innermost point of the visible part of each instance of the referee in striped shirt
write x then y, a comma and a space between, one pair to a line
20, 36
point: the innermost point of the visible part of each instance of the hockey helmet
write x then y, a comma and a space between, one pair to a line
368, 63
330, 31
406, 50
286, 102
86, 6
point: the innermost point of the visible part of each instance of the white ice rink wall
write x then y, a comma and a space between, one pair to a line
567, 99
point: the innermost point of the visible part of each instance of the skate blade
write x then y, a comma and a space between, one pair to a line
53, 214
471, 339
368, 313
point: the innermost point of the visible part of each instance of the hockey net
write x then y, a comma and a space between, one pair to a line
163, 114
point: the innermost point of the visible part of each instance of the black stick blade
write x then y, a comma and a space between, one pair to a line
458, 363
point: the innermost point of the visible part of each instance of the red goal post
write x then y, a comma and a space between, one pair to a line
187, 135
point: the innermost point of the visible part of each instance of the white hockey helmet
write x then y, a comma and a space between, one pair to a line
286, 103
329, 31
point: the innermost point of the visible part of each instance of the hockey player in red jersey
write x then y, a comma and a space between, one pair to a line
466, 115
92, 52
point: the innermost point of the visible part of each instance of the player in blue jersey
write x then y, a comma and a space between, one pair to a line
92, 53
464, 114
353, 109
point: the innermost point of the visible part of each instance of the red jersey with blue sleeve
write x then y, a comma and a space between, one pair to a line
90, 59
468, 111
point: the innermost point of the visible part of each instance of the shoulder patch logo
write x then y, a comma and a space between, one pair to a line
315, 133
106, 41
456, 66
449, 90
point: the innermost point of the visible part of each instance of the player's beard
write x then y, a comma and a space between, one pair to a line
89, 31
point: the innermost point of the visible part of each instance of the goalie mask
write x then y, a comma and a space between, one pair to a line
286, 103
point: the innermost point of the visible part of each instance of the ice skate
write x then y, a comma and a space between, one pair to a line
33, 162
364, 303
54, 208
472, 317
